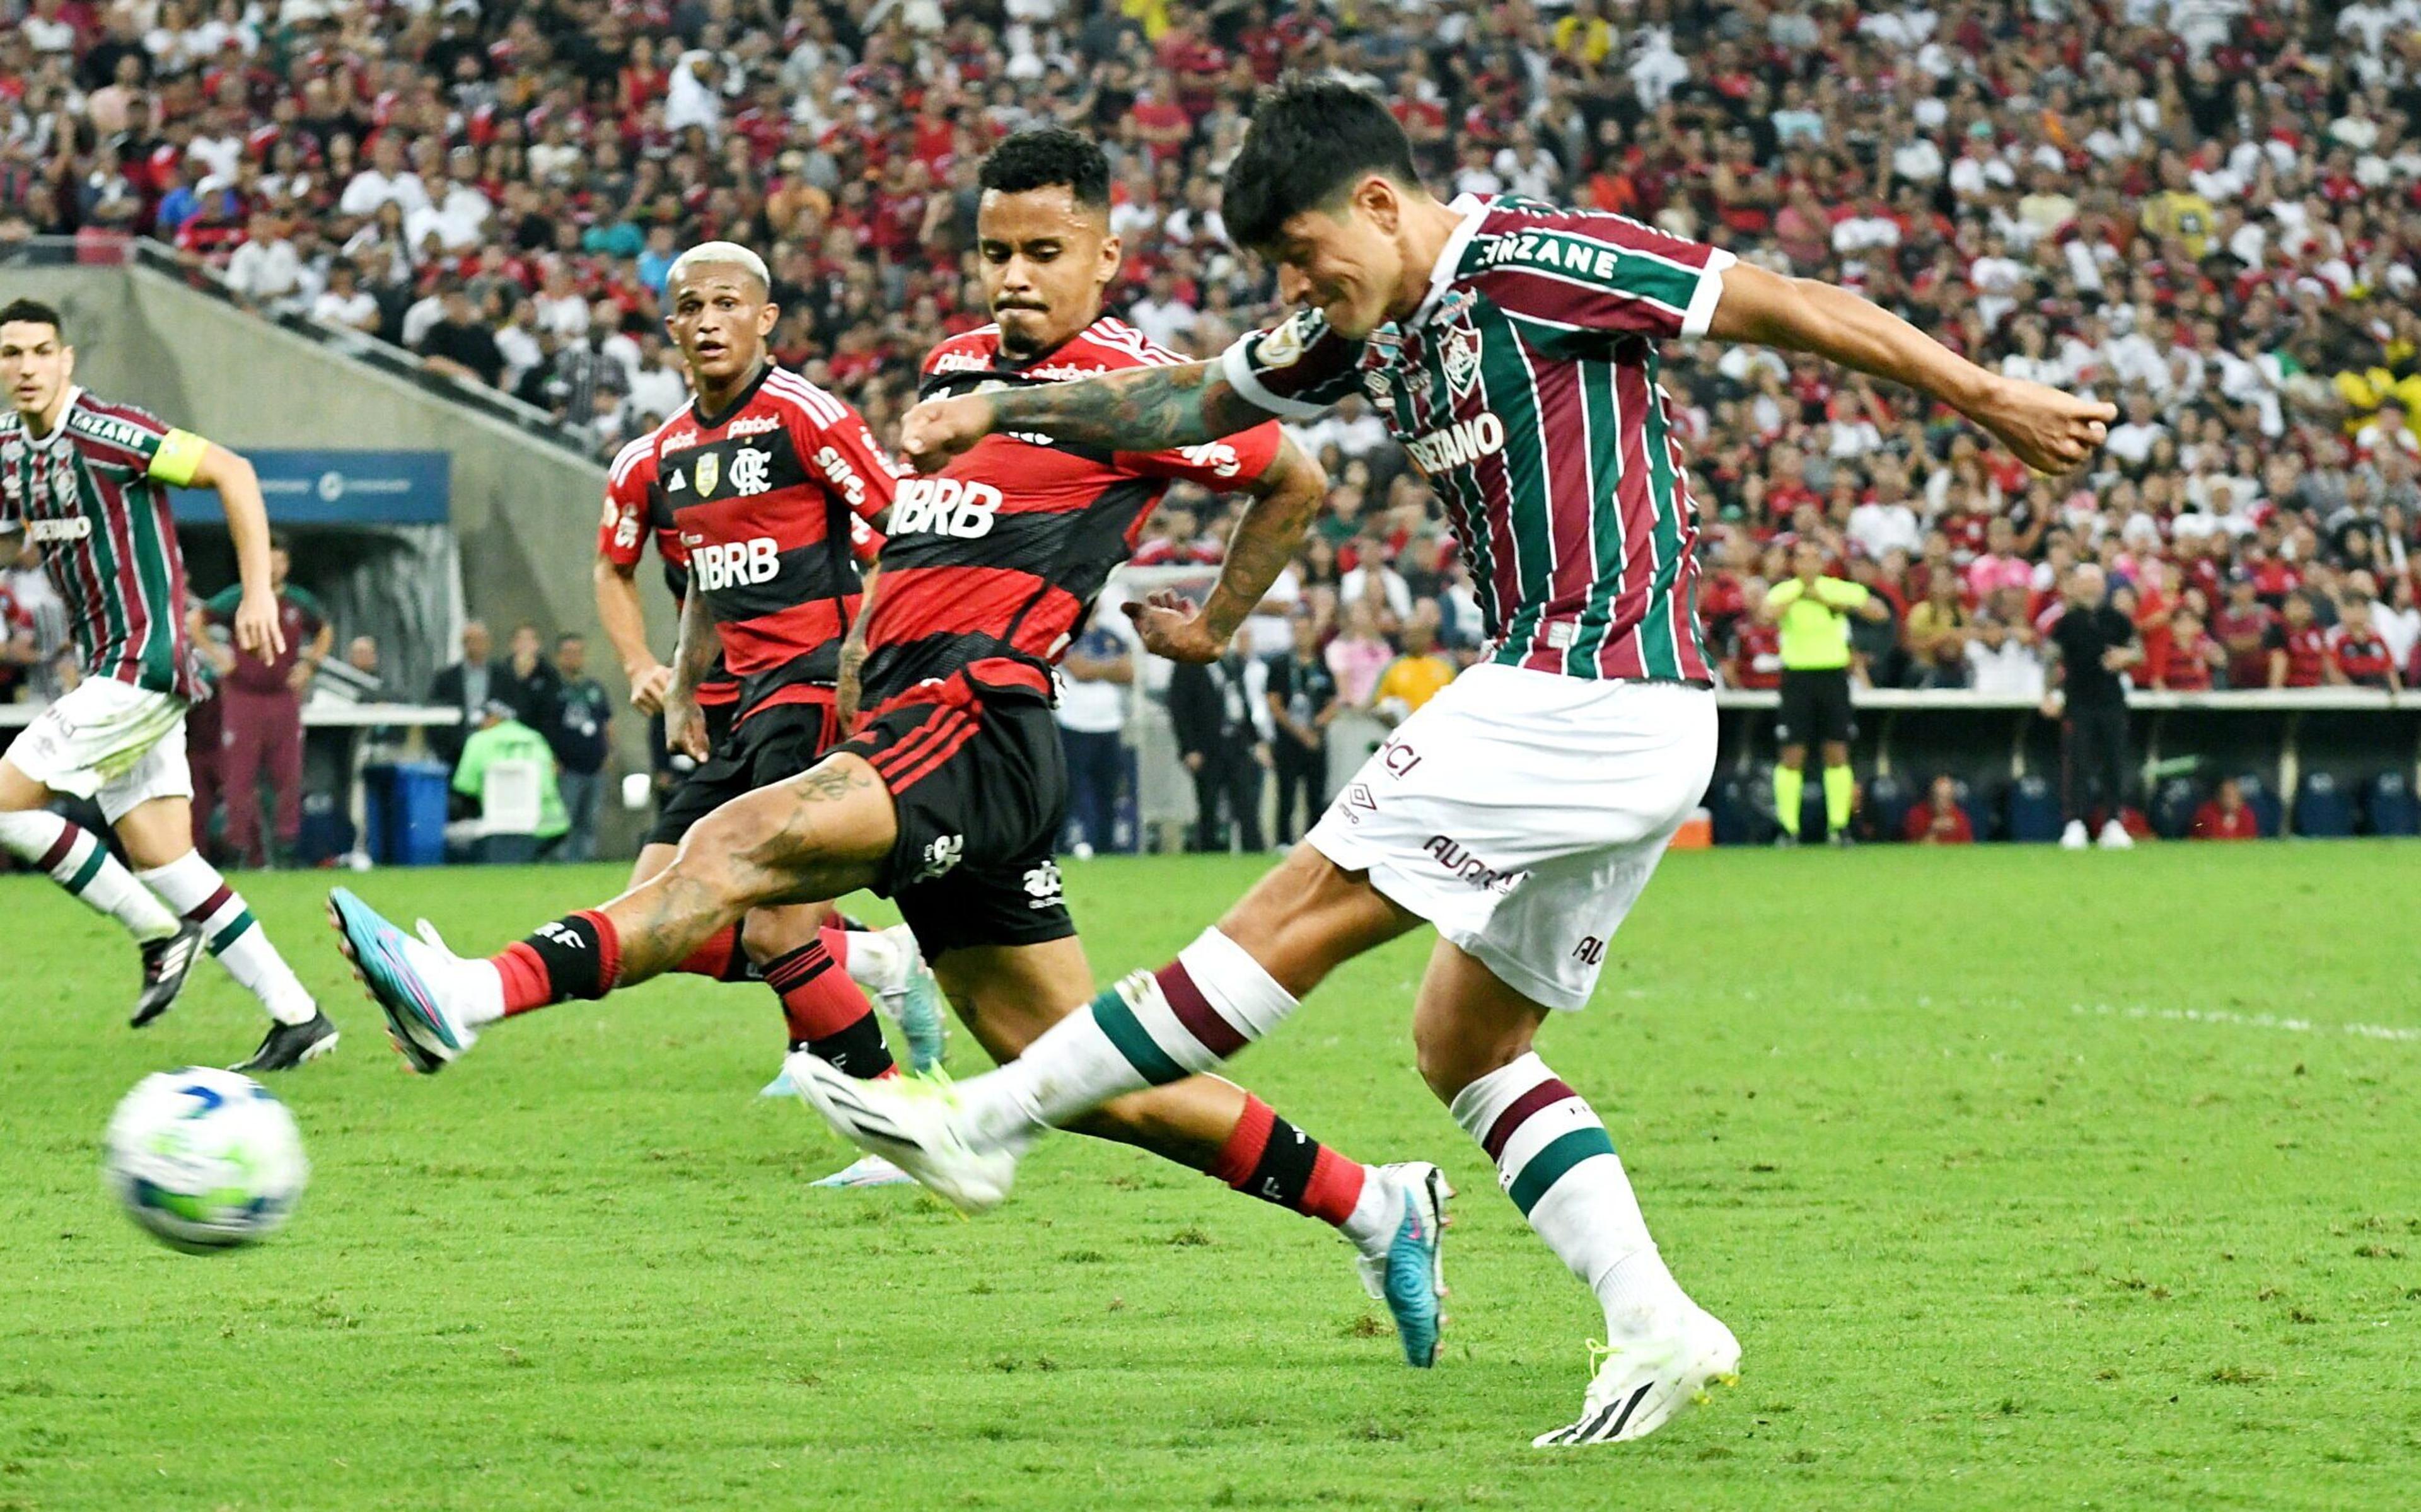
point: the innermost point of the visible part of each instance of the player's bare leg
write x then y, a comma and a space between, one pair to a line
814, 836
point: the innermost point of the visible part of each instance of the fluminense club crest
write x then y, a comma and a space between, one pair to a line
1462, 355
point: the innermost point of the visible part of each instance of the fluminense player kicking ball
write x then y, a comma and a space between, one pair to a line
953, 791
1511, 346
88, 482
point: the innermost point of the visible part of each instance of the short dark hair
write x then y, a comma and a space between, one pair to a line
280, 541
1310, 141
569, 636
30, 312
1047, 155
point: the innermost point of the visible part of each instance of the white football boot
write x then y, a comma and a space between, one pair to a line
1643, 1383
912, 1123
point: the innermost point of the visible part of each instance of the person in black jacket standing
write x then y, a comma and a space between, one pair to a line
2091, 647
1214, 707
576, 732
1303, 701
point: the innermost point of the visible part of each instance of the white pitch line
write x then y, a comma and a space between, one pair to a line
2251, 1020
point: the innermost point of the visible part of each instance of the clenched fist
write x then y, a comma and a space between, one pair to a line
2049, 430
939, 429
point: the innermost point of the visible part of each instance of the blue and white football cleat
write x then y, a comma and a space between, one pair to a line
1410, 1276
416, 982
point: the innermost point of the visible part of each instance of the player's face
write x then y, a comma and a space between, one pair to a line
35, 365
1808, 560
1346, 262
720, 321
1046, 261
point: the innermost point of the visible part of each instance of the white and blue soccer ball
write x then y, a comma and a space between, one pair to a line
205, 1159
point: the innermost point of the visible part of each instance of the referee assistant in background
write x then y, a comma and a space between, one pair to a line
1812, 612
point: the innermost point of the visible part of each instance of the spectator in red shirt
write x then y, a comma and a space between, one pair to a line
2298, 648
1756, 654
2357, 653
2226, 816
2241, 625
2193, 655
1939, 820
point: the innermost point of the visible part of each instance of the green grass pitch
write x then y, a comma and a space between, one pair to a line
2027, 1179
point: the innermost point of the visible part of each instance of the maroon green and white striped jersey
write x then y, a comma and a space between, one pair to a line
93, 495
1524, 388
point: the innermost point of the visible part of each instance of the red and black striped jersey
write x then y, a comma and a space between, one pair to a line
772, 501
993, 562
636, 511
93, 494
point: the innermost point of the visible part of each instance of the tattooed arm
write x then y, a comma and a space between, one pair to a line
1285, 499
1150, 409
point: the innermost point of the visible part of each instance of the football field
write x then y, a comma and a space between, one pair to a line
2027, 1179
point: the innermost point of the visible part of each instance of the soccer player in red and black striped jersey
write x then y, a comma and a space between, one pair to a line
1511, 346
951, 795
638, 507
88, 481
770, 484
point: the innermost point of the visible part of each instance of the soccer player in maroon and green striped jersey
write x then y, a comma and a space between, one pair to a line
87, 481
1512, 348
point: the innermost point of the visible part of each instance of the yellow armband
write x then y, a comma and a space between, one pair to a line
178, 458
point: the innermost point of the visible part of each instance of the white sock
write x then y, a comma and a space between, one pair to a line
485, 1002
193, 887
78, 860
1553, 1159
1377, 1214
879, 961
1150, 1029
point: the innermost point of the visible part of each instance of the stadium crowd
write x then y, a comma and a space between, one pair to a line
2206, 210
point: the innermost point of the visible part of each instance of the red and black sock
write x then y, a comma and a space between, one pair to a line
721, 958
828, 1017
578, 956
1271, 1159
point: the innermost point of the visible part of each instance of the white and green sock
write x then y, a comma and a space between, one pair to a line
193, 887
79, 861
1150, 1030
1553, 1159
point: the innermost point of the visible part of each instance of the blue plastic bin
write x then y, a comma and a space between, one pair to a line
405, 803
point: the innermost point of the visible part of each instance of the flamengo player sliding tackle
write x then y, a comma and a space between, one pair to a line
766, 481
1511, 346
87, 481
952, 793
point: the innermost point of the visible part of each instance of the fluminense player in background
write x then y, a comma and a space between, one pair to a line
952, 792
88, 482
1511, 346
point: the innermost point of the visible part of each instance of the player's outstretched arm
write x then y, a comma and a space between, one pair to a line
258, 631
2051, 432
1285, 499
1150, 409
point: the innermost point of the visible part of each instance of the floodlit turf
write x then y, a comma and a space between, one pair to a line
2027, 1179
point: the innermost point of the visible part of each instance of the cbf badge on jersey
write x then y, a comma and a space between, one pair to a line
708, 469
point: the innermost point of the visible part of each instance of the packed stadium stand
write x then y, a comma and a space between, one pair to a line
2206, 210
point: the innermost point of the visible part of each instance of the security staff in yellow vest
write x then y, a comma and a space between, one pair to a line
1813, 611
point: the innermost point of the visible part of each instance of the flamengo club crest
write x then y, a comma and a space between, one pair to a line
1462, 354
708, 469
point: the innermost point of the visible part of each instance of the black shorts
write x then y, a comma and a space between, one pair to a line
1816, 708
780, 742
980, 784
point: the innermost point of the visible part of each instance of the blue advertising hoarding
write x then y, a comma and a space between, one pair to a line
337, 488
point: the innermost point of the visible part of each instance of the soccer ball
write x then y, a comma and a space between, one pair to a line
205, 1159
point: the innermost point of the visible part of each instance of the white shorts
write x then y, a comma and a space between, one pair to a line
111, 741
1522, 813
